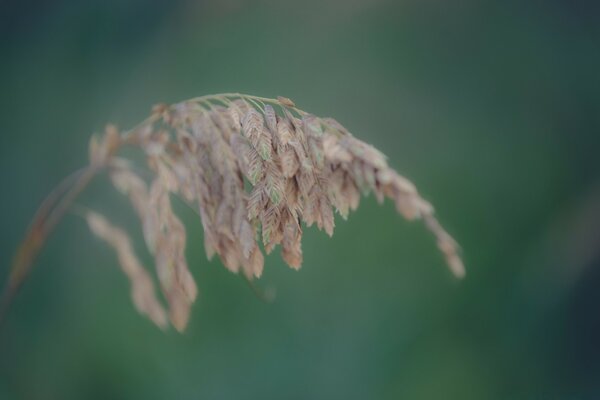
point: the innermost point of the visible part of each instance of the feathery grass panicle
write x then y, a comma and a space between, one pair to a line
255, 169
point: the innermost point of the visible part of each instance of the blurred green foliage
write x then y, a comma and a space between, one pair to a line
492, 108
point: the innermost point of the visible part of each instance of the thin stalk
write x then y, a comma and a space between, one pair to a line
226, 97
47, 217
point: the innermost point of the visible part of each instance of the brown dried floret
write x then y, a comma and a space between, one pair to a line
142, 288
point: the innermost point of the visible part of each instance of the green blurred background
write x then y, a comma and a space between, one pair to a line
492, 108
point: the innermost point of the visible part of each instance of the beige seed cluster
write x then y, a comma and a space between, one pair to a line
255, 170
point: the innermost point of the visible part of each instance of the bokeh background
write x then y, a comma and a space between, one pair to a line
492, 108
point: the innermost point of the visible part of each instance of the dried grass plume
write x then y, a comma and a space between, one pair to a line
256, 170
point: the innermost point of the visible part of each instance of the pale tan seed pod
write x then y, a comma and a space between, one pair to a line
291, 243
101, 149
142, 288
130, 184
284, 132
270, 119
253, 266
284, 101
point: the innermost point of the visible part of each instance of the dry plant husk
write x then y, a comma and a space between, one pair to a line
256, 170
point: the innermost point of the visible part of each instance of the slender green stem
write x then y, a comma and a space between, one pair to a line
44, 222
226, 97
128, 136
